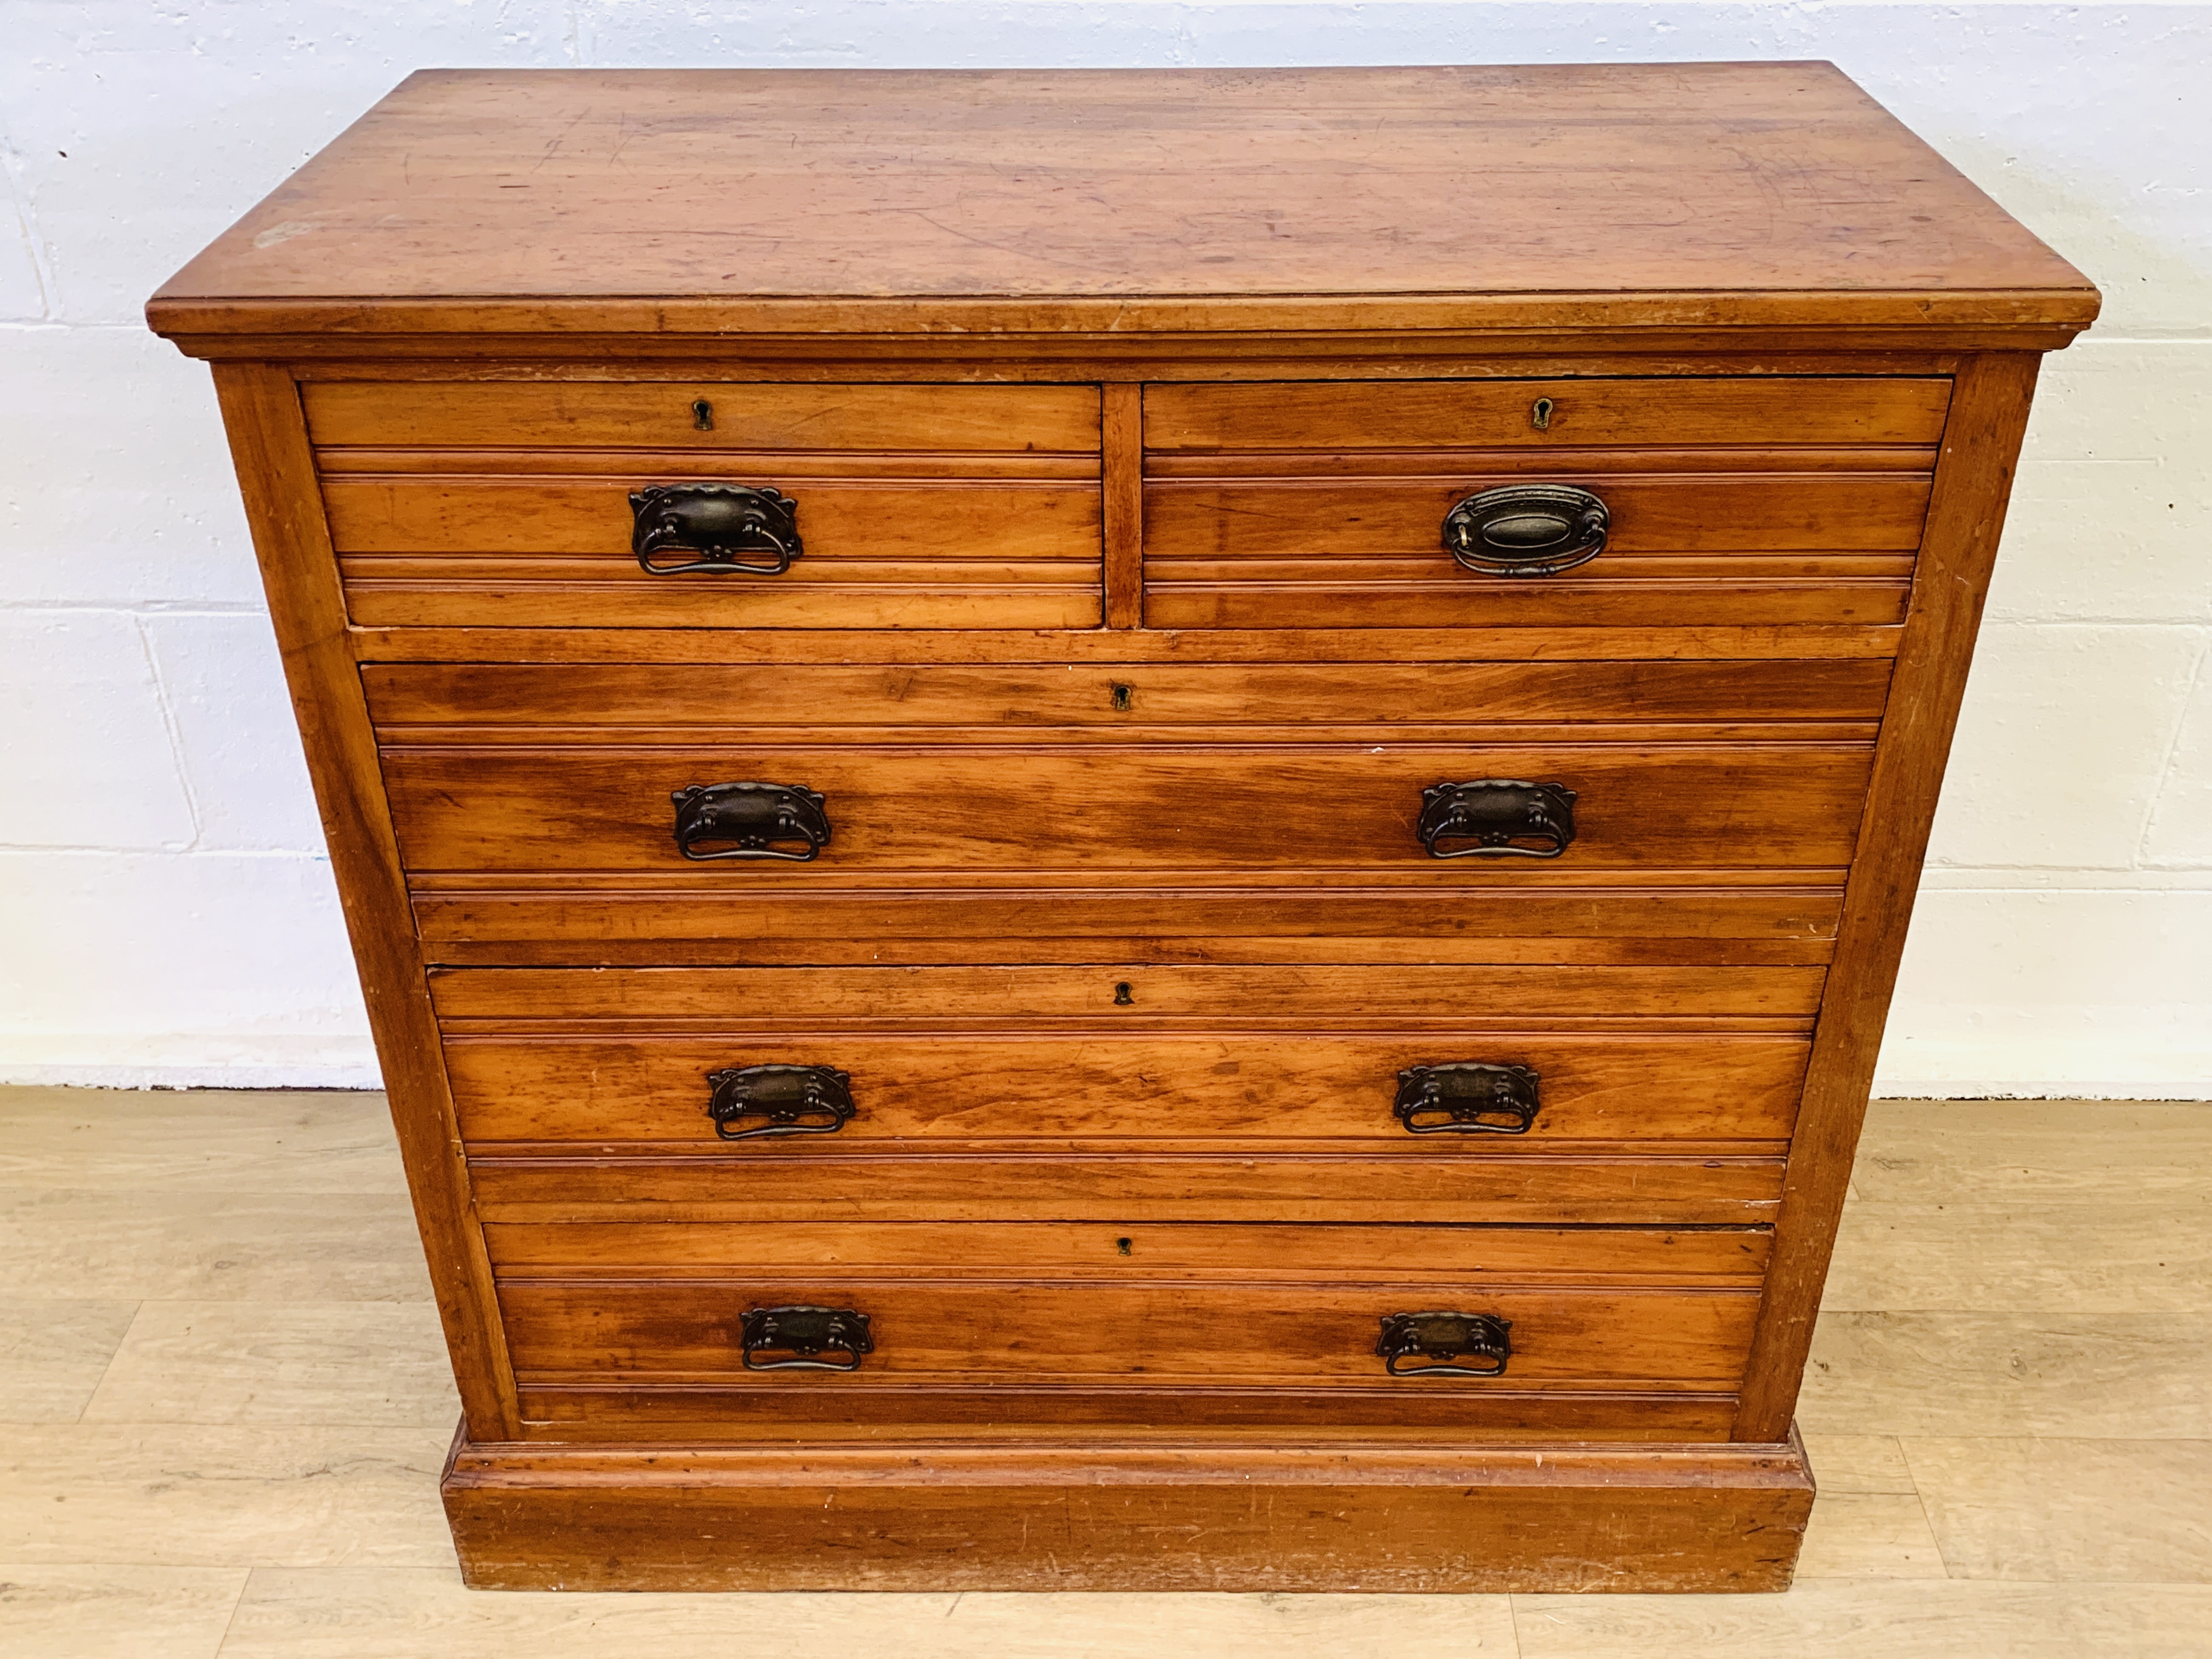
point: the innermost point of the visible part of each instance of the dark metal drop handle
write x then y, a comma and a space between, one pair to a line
749, 1102
1496, 817
1446, 1344
1466, 1097
803, 1336
1527, 530
736, 529
750, 820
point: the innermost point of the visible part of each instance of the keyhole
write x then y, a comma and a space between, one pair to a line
1122, 696
1121, 997
1122, 1245
702, 415
1539, 415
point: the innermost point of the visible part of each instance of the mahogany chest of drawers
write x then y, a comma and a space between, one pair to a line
1127, 829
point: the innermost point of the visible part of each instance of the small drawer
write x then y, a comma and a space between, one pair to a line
814, 1320
1676, 503
513, 506
741, 816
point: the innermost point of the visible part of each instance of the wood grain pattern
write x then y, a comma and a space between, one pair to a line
1647, 414
1451, 196
1506, 1255
1444, 1516
916, 1089
269, 446
1275, 600
954, 1182
542, 539
1127, 994
1349, 519
1155, 807
1981, 446
561, 521
1306, 1334
1121, 472
1024, 697
974, 646
462, 595
746, 415
1302, 540
567, 1409
648, 925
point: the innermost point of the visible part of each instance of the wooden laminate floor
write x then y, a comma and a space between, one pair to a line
225, 1403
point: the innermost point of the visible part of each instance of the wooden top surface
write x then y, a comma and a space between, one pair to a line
660, 200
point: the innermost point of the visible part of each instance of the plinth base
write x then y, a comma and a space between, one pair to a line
1189, 1514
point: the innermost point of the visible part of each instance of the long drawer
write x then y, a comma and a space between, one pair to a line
1632, 1094
891, 806
801, 1322
924, 1088
1736, 502
509, 505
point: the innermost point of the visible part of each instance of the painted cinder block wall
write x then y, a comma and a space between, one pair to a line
167, 914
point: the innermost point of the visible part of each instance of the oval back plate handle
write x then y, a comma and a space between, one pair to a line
804, 1335
1527, 530
787, 1100
1496, 817
748, 821
736, 528
1466, 1097
1442, 1341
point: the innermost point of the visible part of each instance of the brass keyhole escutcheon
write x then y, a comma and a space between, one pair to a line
1121, 694
1121, 996
1122, 1245
1540, 414
702, 415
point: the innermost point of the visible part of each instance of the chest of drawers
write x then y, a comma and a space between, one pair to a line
1127, 829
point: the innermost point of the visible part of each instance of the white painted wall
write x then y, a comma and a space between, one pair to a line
166, 910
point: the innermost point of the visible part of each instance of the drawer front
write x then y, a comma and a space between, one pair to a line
1310, 1336
925, 1089
409, 699
1729, 502
507, 505
961, 1321
959, 810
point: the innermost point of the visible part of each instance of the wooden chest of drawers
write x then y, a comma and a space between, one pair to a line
1127, 829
